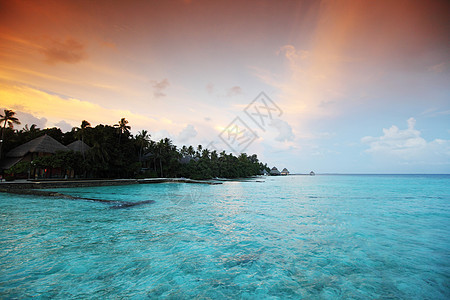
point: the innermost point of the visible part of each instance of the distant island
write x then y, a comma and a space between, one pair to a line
106, 151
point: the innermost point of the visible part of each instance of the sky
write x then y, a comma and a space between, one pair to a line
349, 86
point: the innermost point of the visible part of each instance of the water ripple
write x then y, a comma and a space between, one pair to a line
332, 237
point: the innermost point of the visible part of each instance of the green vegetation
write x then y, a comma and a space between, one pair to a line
115, 153
7, 119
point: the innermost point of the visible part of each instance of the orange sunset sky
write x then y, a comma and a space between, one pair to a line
363, 86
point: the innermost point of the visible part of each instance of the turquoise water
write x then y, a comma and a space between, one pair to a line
312, 237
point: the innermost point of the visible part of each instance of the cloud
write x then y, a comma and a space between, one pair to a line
64, 126
434, 112
439, 68
109, 45
159, 87
161, 134
284, 130
407, 144
72, 110
396, 141
27, 118
69, 51
293, 54
234, 91
187, 133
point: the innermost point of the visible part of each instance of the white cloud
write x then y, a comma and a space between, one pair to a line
26, 118
187, 133
64, 126
161, 134
408, 144
284, 130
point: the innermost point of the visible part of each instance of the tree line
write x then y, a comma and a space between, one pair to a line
114, 152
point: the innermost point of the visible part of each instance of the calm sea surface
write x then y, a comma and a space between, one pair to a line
325, 237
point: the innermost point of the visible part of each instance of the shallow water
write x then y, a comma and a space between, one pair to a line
380, 236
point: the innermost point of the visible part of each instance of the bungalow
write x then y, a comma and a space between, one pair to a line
264, 172
285, 172
78, 146
39, 147
274, 171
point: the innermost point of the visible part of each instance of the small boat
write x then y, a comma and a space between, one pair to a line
312, 173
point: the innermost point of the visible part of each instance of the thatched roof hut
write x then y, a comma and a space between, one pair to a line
274, 171
8, 162
264, 172
26, 152
78, 146
187, 158
285, 172
42, 144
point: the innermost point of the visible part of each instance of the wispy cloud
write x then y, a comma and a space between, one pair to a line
68, 51
293, 54
439, 68
159, 87
234, 91
72, 110
109, 45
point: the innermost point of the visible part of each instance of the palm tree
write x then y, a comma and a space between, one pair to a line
159, 154
30, 132
199, 150
84, 124
205, 153
190, 151
32, 128
143, 141
184, 150
7, 118
122, 127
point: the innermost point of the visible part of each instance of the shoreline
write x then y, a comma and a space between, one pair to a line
48, 184
35, 188
32, 187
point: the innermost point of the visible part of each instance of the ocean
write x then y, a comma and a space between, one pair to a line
311, 237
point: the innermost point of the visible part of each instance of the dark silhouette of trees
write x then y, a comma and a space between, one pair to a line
8, 119
134, 156
81, 133
123, 128
143, 142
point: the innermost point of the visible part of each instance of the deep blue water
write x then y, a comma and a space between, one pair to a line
326, 237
